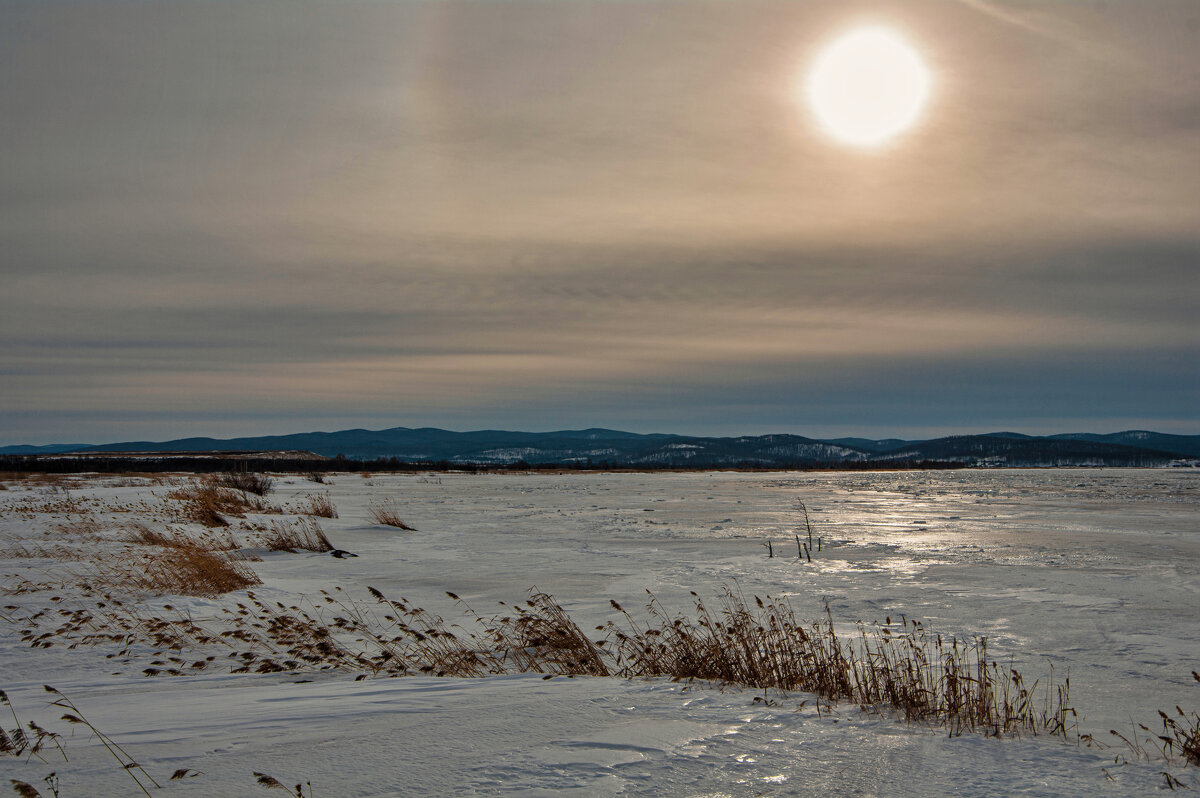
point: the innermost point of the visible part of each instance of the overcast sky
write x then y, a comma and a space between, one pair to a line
224, 218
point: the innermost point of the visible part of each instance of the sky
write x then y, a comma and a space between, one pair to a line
257, 217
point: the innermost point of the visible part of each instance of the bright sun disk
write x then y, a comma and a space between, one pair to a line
867, 87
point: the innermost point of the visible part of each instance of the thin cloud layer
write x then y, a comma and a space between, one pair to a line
232, 218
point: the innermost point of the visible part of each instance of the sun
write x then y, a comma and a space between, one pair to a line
867, 87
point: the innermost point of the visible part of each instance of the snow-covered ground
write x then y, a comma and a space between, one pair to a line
1092, 571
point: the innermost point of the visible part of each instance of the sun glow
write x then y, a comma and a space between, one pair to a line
867, 87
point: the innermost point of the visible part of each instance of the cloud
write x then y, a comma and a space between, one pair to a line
594, 211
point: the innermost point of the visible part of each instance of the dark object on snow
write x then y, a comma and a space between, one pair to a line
342, 554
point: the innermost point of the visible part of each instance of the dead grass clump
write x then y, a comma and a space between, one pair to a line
61, 481
731, 645
1186, 732
133, 479
272, 783
208, 504
183, 568
175, 539
921, 677
537, 636
195, 571
147, 536
899, 669
87, 526
56, 501
540, 637
255, 504
924, 677
303, 534
1180, 737
17, 551
246, 482
212, 505
388, 514
25, 740
318, 504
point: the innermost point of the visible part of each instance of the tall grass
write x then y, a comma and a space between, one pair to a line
162, 561
212, 504
174, 564
213, 540
895, 669
388, 514
301, 534
318, 504
140, 777
25, 739
18, 744
922, 676
191, 571
246, 482
1179, 739
272, 783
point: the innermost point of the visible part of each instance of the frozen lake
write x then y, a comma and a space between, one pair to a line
1092, 571
1098, 571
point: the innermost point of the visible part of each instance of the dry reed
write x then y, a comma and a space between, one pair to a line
318, 504
902, 669
211, 540
272, 783
73, 715
30, 744
1180, 737
195, 571
212, 504
924, 677
246, 482
88, 525
35, 551
28, 739
184, 567
24, 789
302, 534
388, 514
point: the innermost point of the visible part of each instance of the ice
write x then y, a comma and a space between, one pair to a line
1092, 571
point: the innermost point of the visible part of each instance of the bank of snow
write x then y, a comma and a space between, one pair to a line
1086, 567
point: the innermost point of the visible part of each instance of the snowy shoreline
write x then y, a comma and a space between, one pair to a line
1090, 570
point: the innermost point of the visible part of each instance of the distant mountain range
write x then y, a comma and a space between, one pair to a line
605, 446
53, 448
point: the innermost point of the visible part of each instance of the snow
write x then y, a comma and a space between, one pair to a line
1095, 571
